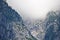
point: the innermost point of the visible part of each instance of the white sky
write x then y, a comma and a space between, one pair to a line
34, 8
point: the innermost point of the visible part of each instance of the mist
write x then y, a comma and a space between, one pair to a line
34, 9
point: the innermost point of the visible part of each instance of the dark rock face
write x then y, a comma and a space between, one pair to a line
7, 16
53, 26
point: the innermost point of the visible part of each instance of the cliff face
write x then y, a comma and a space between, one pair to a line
53, 26
11, 24
7, 16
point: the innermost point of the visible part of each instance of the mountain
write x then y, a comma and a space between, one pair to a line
53, 26
11, 24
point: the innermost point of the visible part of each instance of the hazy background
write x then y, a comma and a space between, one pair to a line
34, 9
